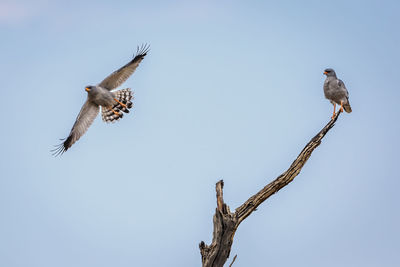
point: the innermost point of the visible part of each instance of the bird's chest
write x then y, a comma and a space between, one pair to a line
329, 89
103, 98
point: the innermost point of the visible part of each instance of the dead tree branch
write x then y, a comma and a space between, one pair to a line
226, 222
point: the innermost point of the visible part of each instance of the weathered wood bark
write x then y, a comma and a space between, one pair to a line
226, 222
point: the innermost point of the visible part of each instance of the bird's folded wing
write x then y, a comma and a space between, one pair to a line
343, 87
85, 118
119, 76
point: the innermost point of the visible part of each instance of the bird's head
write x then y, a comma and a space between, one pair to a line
329, 72
89, 88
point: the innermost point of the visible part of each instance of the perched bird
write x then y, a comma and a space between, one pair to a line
112, 103
336, 92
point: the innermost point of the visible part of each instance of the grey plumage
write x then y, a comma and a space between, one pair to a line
85, 118
336, 91
113, 104
119, 76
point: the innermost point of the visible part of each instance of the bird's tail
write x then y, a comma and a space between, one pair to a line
347, 107
123, 104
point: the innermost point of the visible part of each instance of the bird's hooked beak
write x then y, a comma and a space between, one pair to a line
325, 72
87, 89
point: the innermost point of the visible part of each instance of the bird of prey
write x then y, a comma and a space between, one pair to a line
112, 103
336, 92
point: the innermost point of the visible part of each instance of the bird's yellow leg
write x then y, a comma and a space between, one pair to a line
334, 110
123, 105
115, 112
341, 106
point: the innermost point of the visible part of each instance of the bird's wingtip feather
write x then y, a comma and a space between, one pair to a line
142, 50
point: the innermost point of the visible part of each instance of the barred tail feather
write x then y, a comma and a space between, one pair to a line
124, 96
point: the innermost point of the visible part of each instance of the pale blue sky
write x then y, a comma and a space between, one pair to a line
230, 90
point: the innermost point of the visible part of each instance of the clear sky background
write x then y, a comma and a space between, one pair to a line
230, 90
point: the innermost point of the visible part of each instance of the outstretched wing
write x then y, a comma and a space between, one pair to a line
119, 76
85, 118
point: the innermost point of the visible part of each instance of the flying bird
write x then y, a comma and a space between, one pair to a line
112, 103
336, 92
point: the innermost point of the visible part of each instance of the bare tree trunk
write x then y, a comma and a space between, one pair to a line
226, 222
